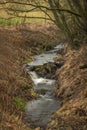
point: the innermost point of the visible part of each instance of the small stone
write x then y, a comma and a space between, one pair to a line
38, 128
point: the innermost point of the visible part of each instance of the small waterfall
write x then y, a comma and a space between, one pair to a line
40, 111
39, 80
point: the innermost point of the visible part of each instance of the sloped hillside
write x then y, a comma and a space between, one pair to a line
72, 90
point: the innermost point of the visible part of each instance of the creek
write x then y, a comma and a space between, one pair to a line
39, 111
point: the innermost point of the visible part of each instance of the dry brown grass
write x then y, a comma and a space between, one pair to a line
73, 91
11, 81
17, 44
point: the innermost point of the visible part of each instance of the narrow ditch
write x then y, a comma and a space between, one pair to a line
39, 111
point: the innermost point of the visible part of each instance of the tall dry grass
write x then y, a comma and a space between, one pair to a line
18, 44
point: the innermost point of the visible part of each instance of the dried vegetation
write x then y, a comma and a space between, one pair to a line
72, 80
16, 45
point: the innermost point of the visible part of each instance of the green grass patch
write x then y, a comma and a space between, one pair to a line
19, 20
26, 88
27, 60
19, 102
10, 22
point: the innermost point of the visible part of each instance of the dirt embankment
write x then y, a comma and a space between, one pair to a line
72, 80
17, 46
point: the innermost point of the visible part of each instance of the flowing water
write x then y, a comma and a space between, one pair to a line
39, 112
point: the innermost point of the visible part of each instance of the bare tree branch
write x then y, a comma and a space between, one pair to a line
40, 6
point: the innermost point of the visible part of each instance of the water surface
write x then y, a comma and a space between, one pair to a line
39, 112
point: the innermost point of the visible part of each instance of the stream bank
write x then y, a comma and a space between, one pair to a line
72, 90
18, 45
